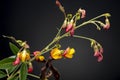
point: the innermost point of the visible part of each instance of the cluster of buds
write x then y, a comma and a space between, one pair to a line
70, 21
70, 26
37, 57
98, 50
22, 56
56, 53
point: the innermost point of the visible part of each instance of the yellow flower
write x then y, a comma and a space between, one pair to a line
41, 58
37, 57
24, 55
56, 53
68, 53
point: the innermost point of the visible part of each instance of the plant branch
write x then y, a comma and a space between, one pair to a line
90, 39
7, 72
46, 49
89, 21
32, 75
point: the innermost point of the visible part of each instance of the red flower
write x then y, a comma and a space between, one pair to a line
100, 58
17, 61
98, 54
70, 27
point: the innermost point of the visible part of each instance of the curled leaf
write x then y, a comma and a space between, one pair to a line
55, 72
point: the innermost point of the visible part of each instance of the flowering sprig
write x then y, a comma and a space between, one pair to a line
19, 66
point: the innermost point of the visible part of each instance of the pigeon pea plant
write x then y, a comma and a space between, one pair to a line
19, 66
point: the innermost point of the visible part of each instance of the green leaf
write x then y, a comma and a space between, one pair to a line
14, 72
15, 78
14, 48
6, 65
6, 60
10, 70
2, 74
23, 71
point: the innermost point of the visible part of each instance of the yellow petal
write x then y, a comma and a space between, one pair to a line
69, 53
27, 56
69, 56
56, 53
41, 58
72, 51
23, 57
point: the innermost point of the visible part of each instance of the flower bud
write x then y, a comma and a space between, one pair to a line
36, 54
69, 27
17, 61
107, 25
60, 6
83, 12
30, 68
58, 3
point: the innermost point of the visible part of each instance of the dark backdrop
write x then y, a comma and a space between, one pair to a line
36, 21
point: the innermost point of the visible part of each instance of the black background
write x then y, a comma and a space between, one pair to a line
36, 21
